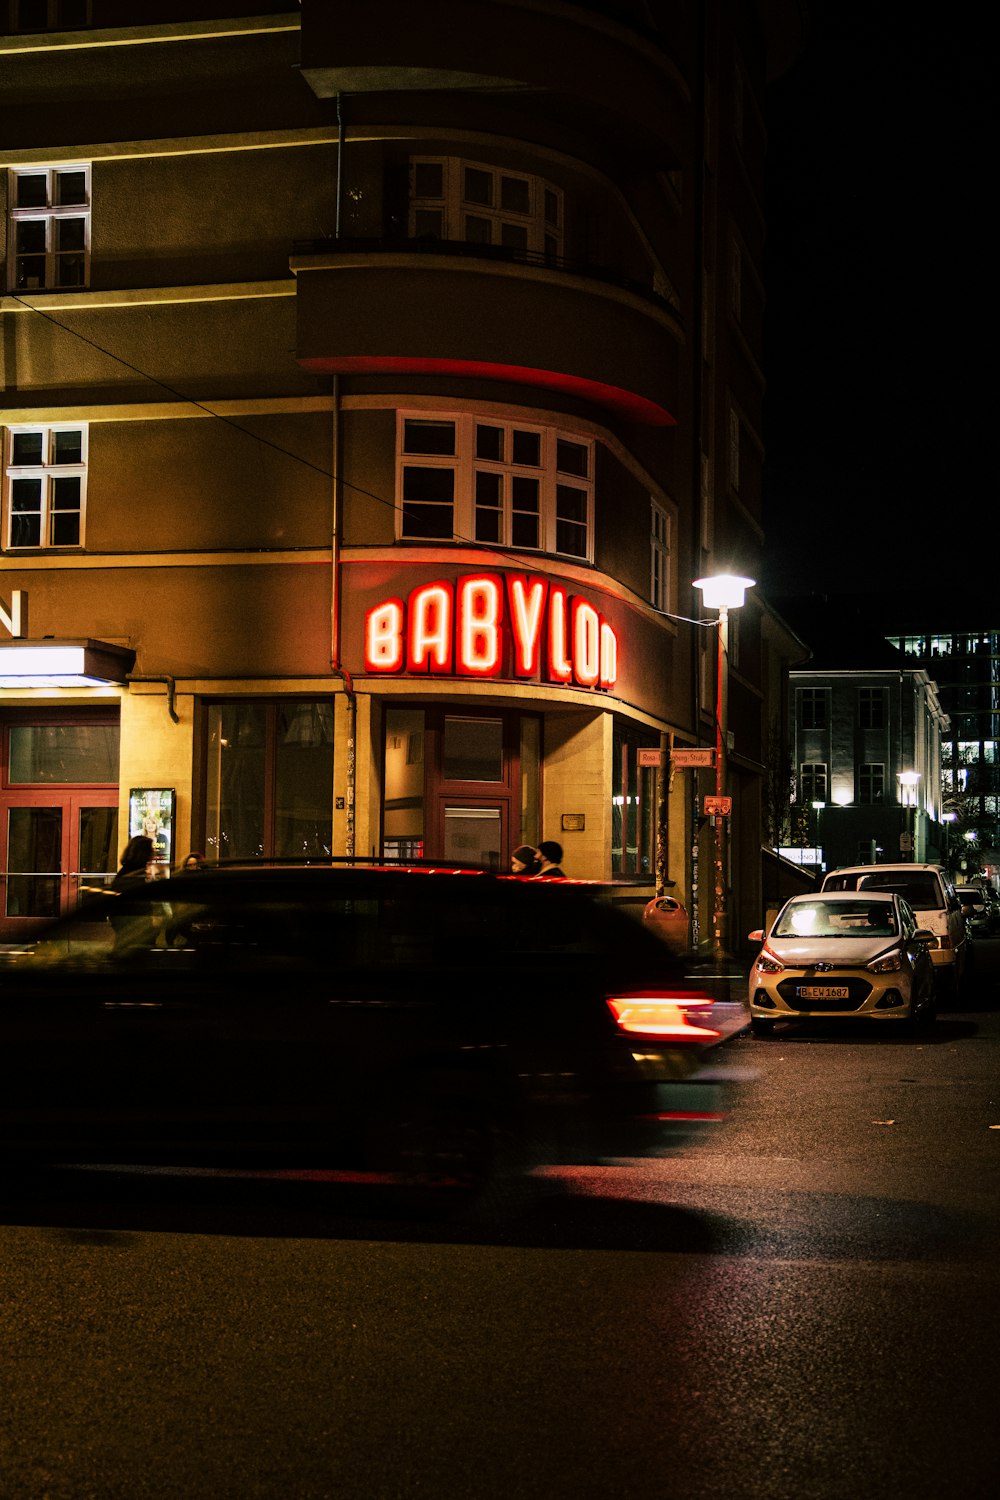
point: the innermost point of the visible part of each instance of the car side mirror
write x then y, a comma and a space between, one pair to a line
757, 936
923, 935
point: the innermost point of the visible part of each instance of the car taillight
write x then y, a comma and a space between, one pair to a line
661, 1016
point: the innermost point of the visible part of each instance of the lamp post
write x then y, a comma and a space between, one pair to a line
723, 592
908, 781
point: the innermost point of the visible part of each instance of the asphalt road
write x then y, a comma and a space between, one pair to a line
806, 1305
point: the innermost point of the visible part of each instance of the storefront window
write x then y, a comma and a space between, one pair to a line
403, 814
473, 749
633, 806
44, 754
531, 813
270, 779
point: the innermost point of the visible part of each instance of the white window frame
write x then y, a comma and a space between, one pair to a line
46, 473
542, 225
813, 775
51, 216
660, 556
464, 465
815, 698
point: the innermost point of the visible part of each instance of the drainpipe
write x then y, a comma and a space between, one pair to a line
171, 692
336, 666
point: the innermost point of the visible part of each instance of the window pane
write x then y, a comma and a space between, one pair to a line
26, 448
32, 190
236, 764
303, 780
65, 530
473, 750
428, 224
29, 273
26, 531
31, 236
428, 437
489, 503
69, 270
551, 208
66, 492
525, 493
571, 540
98, 841
478, 231
514, 236
515, 195
49, 753
67, 447
71, 188
489, 442
34, 837
403, 818
571, 504
478, 187
69, 234
527, 448
26, 495
472, 836
428, 179
426, 486
572, 458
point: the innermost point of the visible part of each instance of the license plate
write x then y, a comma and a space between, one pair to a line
823, 992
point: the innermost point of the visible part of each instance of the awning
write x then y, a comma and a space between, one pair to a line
52, 663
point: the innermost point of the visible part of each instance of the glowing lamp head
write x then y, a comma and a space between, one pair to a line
724, 590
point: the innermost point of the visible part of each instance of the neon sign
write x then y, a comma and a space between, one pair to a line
481, 625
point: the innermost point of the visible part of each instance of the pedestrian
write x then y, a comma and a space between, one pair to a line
524, 860
136, 858
550, 860
194, 861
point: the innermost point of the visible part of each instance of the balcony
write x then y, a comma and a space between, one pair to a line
603, 66
432, 307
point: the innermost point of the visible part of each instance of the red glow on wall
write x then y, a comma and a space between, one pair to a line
462, 627
616, 398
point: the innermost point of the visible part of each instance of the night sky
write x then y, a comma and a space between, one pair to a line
882, 323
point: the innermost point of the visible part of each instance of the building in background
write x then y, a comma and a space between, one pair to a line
376, 379
867, 730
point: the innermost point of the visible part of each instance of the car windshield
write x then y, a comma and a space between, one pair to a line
922, 892
836, 919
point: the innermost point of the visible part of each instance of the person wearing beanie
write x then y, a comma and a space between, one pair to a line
524, 860
550, 860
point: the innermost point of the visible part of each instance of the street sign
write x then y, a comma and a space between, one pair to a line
653, 758
905, 843
717, 807
693, 757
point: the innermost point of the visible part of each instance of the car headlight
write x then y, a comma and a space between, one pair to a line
889, 963
767, 963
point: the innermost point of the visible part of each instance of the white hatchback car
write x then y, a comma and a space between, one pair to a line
843, 955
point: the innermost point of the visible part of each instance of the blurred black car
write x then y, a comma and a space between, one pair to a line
408, 1026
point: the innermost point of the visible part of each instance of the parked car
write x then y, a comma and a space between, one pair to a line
421, 1028
842, 955
929, 891
978, 908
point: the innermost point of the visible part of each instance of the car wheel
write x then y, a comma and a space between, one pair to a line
762, 1028
437, 1155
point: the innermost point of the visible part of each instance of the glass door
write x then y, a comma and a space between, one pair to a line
54, 850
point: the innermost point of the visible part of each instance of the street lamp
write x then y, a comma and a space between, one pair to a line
723, 592
908, 781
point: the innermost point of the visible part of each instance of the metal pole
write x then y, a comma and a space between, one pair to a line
719, 934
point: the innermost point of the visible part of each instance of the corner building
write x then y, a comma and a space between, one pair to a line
376, 379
